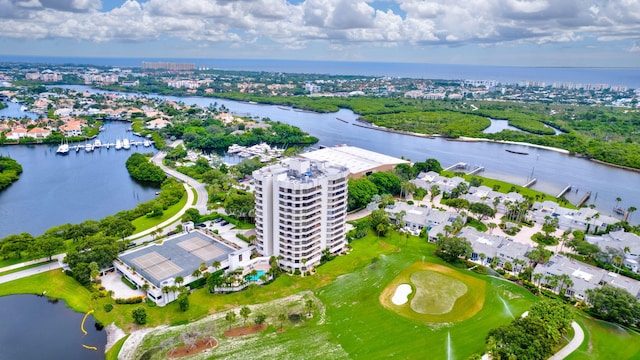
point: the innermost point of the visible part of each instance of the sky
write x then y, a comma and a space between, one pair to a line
574, 33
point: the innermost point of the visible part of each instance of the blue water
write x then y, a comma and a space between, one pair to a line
629, 77
256, 277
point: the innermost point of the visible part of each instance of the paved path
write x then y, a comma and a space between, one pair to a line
31, 271
575, 343
189, 183
203, 197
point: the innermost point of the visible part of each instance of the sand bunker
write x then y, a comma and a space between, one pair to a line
401, 296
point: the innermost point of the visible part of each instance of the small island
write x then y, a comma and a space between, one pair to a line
10, 171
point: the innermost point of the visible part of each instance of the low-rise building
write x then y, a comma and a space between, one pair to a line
494, 247
626, 243
583, 277
418, 218
360, 162
585, 219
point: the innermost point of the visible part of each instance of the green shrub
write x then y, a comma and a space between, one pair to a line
133, 300
129, 283
108, 307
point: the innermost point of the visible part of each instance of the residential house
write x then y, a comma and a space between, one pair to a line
494, 247
627, 243
583, 277
585, 219
416, 218
38, 133
157, 124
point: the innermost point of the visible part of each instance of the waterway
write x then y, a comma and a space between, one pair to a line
553, 170
34, 328
55, 189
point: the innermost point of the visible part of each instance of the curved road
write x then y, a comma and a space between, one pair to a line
201, 190
574, 344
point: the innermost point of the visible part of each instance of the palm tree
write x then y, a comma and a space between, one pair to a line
629, 211
230, 317
196, 273
245, 312
491, 227
482, 257
537, 277
179, 280
618, 199
216, 265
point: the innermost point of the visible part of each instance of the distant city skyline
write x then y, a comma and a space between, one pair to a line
576, 33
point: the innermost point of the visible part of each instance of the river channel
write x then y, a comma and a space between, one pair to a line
553, 170
34, 328
55, 189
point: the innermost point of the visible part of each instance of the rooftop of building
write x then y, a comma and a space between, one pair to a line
356, 159
176, 256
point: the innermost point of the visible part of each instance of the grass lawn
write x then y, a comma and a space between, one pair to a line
439, 293
605, 340
349, 319
112, 354
143, 223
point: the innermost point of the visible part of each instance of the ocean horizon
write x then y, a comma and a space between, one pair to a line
629, 77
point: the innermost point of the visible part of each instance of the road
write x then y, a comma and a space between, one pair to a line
32, 271
201, 190
574, 344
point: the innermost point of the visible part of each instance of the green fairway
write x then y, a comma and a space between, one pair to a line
603, 340
435, 293
440, 294
349, 319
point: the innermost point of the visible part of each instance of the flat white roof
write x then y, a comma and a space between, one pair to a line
355, 159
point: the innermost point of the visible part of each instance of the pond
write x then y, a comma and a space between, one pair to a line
34, 327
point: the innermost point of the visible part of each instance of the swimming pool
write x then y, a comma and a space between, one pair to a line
256, 277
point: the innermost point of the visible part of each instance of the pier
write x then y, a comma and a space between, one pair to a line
476, 170
459, 165
530, 182
584, 199
564, 191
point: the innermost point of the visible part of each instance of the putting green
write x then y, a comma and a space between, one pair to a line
440, 293
435, 293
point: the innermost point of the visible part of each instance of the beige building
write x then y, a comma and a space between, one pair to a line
301, 208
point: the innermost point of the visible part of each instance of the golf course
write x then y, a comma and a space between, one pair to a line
344, 310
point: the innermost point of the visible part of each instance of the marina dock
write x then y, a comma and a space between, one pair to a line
564, 191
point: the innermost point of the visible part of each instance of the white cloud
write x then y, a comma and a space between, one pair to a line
336, 23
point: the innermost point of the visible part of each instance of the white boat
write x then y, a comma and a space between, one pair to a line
146, 143
63, 149
107, 145
125, 144
118, 144
88, 147
97, 143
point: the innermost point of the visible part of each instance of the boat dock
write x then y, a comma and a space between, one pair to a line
476, 170
91, 146
530, 182
564, 191
584, 199
459, 165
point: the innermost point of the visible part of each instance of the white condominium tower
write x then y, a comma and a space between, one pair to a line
301, 208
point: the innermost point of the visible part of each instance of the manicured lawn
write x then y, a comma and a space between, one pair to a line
112, 354
605, 340
440, 293
143, 223
349, 319
366, 329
